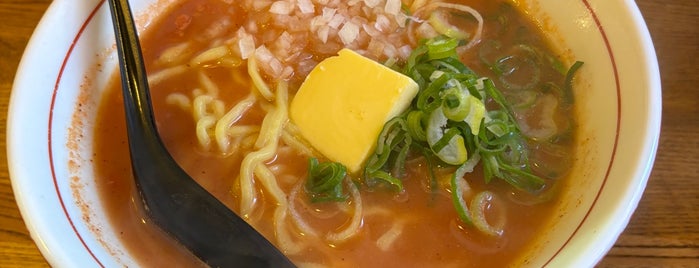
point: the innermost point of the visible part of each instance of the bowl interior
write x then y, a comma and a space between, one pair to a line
617, 98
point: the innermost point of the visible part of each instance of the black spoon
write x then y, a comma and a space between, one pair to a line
173, 201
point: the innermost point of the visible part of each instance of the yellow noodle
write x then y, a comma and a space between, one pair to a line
257, 81
243, 137
197, 92
298, 220
208, 84
165, 74
205, 105
267, 143
236, 131
356, 223
248, 142
374, 210
296, 144
287, 179
200, 106
278, 118
174, 54
179, 100
266, 107
250, 162
269, 181
238, 144
387, 239
229, 61
202, 129
287, 245
211, 54
218, 108
231, 117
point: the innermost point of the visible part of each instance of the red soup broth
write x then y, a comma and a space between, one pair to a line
432, 234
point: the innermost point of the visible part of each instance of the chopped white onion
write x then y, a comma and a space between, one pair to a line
390, 51
268, 61
258, 5
246, 46
402, 19
263, 54
281, 8
353, 2
316, 23
349, 33
372, 3
426, 30
323, 33
382, 23
375, 47
306, 6
283, 45
251, 27
328, 13
371, 30
217, 28
336, 21
288, 72
405, 51
393, 7
372, 27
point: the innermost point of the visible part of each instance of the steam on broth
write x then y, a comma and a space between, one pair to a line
223, 74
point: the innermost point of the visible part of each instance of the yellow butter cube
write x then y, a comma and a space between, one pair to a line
344, 102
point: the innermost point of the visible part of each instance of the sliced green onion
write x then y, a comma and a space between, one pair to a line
521, 179
448, 120
325, 181
476, 113
393, 138
440, 23
416, 122
458, 187
455, 104
447, 145
446, 139
382, 176
508, 66
440, 48
428, 99
568, 88
479, 204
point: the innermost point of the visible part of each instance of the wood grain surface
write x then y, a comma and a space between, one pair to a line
663, 232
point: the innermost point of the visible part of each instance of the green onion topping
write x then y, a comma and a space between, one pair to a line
324, 182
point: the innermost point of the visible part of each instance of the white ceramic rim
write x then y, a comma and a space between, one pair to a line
65, 242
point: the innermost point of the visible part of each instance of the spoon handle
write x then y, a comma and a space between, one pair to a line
172, 199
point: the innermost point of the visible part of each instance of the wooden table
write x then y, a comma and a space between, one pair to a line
664, 231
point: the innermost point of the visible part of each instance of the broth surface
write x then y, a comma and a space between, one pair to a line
432, 234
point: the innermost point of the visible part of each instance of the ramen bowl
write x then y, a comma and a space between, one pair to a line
65, 71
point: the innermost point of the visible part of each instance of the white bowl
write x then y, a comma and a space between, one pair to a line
65, 68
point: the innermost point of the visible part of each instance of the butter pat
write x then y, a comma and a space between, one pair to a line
342, 106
